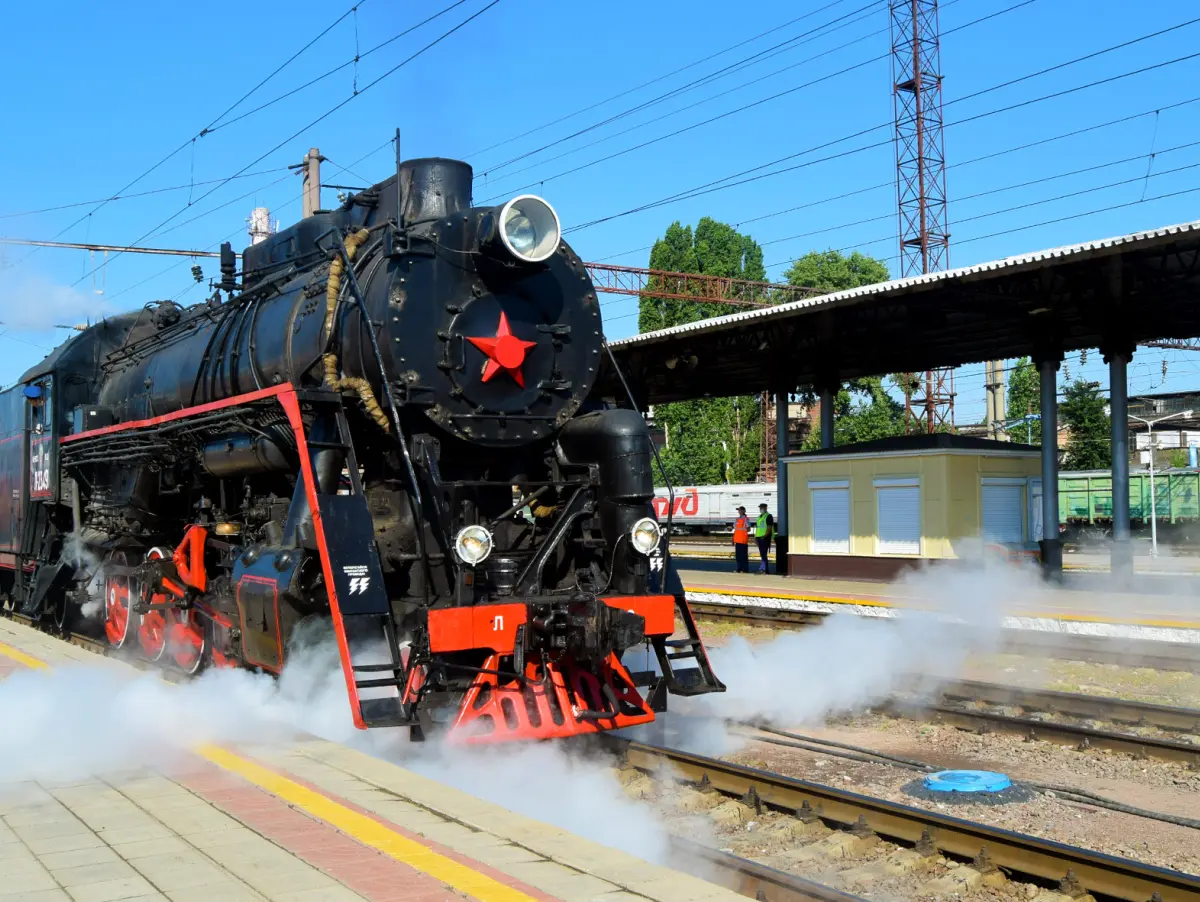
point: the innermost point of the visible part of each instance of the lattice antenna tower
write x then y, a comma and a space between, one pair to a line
921, 185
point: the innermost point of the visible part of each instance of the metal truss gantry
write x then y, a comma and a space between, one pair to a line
921, 184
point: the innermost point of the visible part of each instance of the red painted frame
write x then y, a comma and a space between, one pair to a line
287, 397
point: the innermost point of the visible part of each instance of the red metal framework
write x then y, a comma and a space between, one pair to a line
921, 183
682, 286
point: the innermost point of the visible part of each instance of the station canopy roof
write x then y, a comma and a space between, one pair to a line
1107, 294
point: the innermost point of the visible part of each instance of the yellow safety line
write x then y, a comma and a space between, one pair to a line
366, 830
843, 599
21, 658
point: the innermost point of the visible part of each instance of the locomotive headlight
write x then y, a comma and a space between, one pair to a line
472, 545
645, 535
529, 228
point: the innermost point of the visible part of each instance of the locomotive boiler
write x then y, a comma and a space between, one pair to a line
381, 423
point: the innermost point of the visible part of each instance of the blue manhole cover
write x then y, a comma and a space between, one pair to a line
967, 781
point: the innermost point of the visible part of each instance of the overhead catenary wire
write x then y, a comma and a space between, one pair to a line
746, 176
1000, 233
136, 194
625, 93
812, 34
207, 129
1028, 145
343, 66
1013, 187
428, 46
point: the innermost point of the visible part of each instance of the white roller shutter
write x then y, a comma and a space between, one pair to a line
899, 508
1002, 520
831, 518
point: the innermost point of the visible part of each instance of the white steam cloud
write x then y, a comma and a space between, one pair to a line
80, 721
848, 662
33, 303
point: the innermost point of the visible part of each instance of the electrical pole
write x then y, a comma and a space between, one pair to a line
311, 168
921, 184
996, 403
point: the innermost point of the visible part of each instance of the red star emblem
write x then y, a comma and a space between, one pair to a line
505, 352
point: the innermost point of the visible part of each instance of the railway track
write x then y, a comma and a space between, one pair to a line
1092, 649
963, 694
749, 878
741, 875
1039, 861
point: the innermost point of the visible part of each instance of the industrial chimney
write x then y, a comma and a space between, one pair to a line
260, 225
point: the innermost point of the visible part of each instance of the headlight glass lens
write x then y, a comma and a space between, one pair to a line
530, 227
521, 233
473, 544
645, 535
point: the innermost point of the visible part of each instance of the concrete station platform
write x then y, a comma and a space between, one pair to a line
310, 821
1081, 608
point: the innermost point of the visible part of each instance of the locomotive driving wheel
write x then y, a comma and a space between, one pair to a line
187, 640
152, 625
119, 589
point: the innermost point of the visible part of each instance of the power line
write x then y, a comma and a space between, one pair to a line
350, 62
656, 80
203, 131
1016, 186
115, 197
314, 122
750, 105
968, 162
959, 241
811, 34
716, 185
78, 245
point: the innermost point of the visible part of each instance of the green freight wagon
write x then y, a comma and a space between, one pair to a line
1085, 497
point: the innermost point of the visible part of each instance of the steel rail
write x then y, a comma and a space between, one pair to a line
1071, 704
1082, 738
749, 878
1149, 653
1042, 859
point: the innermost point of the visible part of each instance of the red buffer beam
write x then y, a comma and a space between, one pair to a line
636, 281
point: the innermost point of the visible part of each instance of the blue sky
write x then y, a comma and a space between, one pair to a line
100, 92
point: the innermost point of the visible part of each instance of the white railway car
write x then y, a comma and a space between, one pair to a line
704, 509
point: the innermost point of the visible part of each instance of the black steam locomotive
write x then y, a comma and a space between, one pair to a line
381, 424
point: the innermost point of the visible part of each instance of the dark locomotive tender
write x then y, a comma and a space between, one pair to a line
382, 425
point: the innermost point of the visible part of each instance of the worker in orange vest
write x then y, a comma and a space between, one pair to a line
741, 541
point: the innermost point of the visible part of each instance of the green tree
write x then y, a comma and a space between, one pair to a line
1024, 398
863, 409
833, 271
713, 249
713, 439
1088, 444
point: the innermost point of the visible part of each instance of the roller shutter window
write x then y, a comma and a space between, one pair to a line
1002, 520
831, 519
899, 508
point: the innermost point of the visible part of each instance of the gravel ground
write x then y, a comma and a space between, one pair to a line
1166, 787
1160, 786
864, 865
1160, 687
